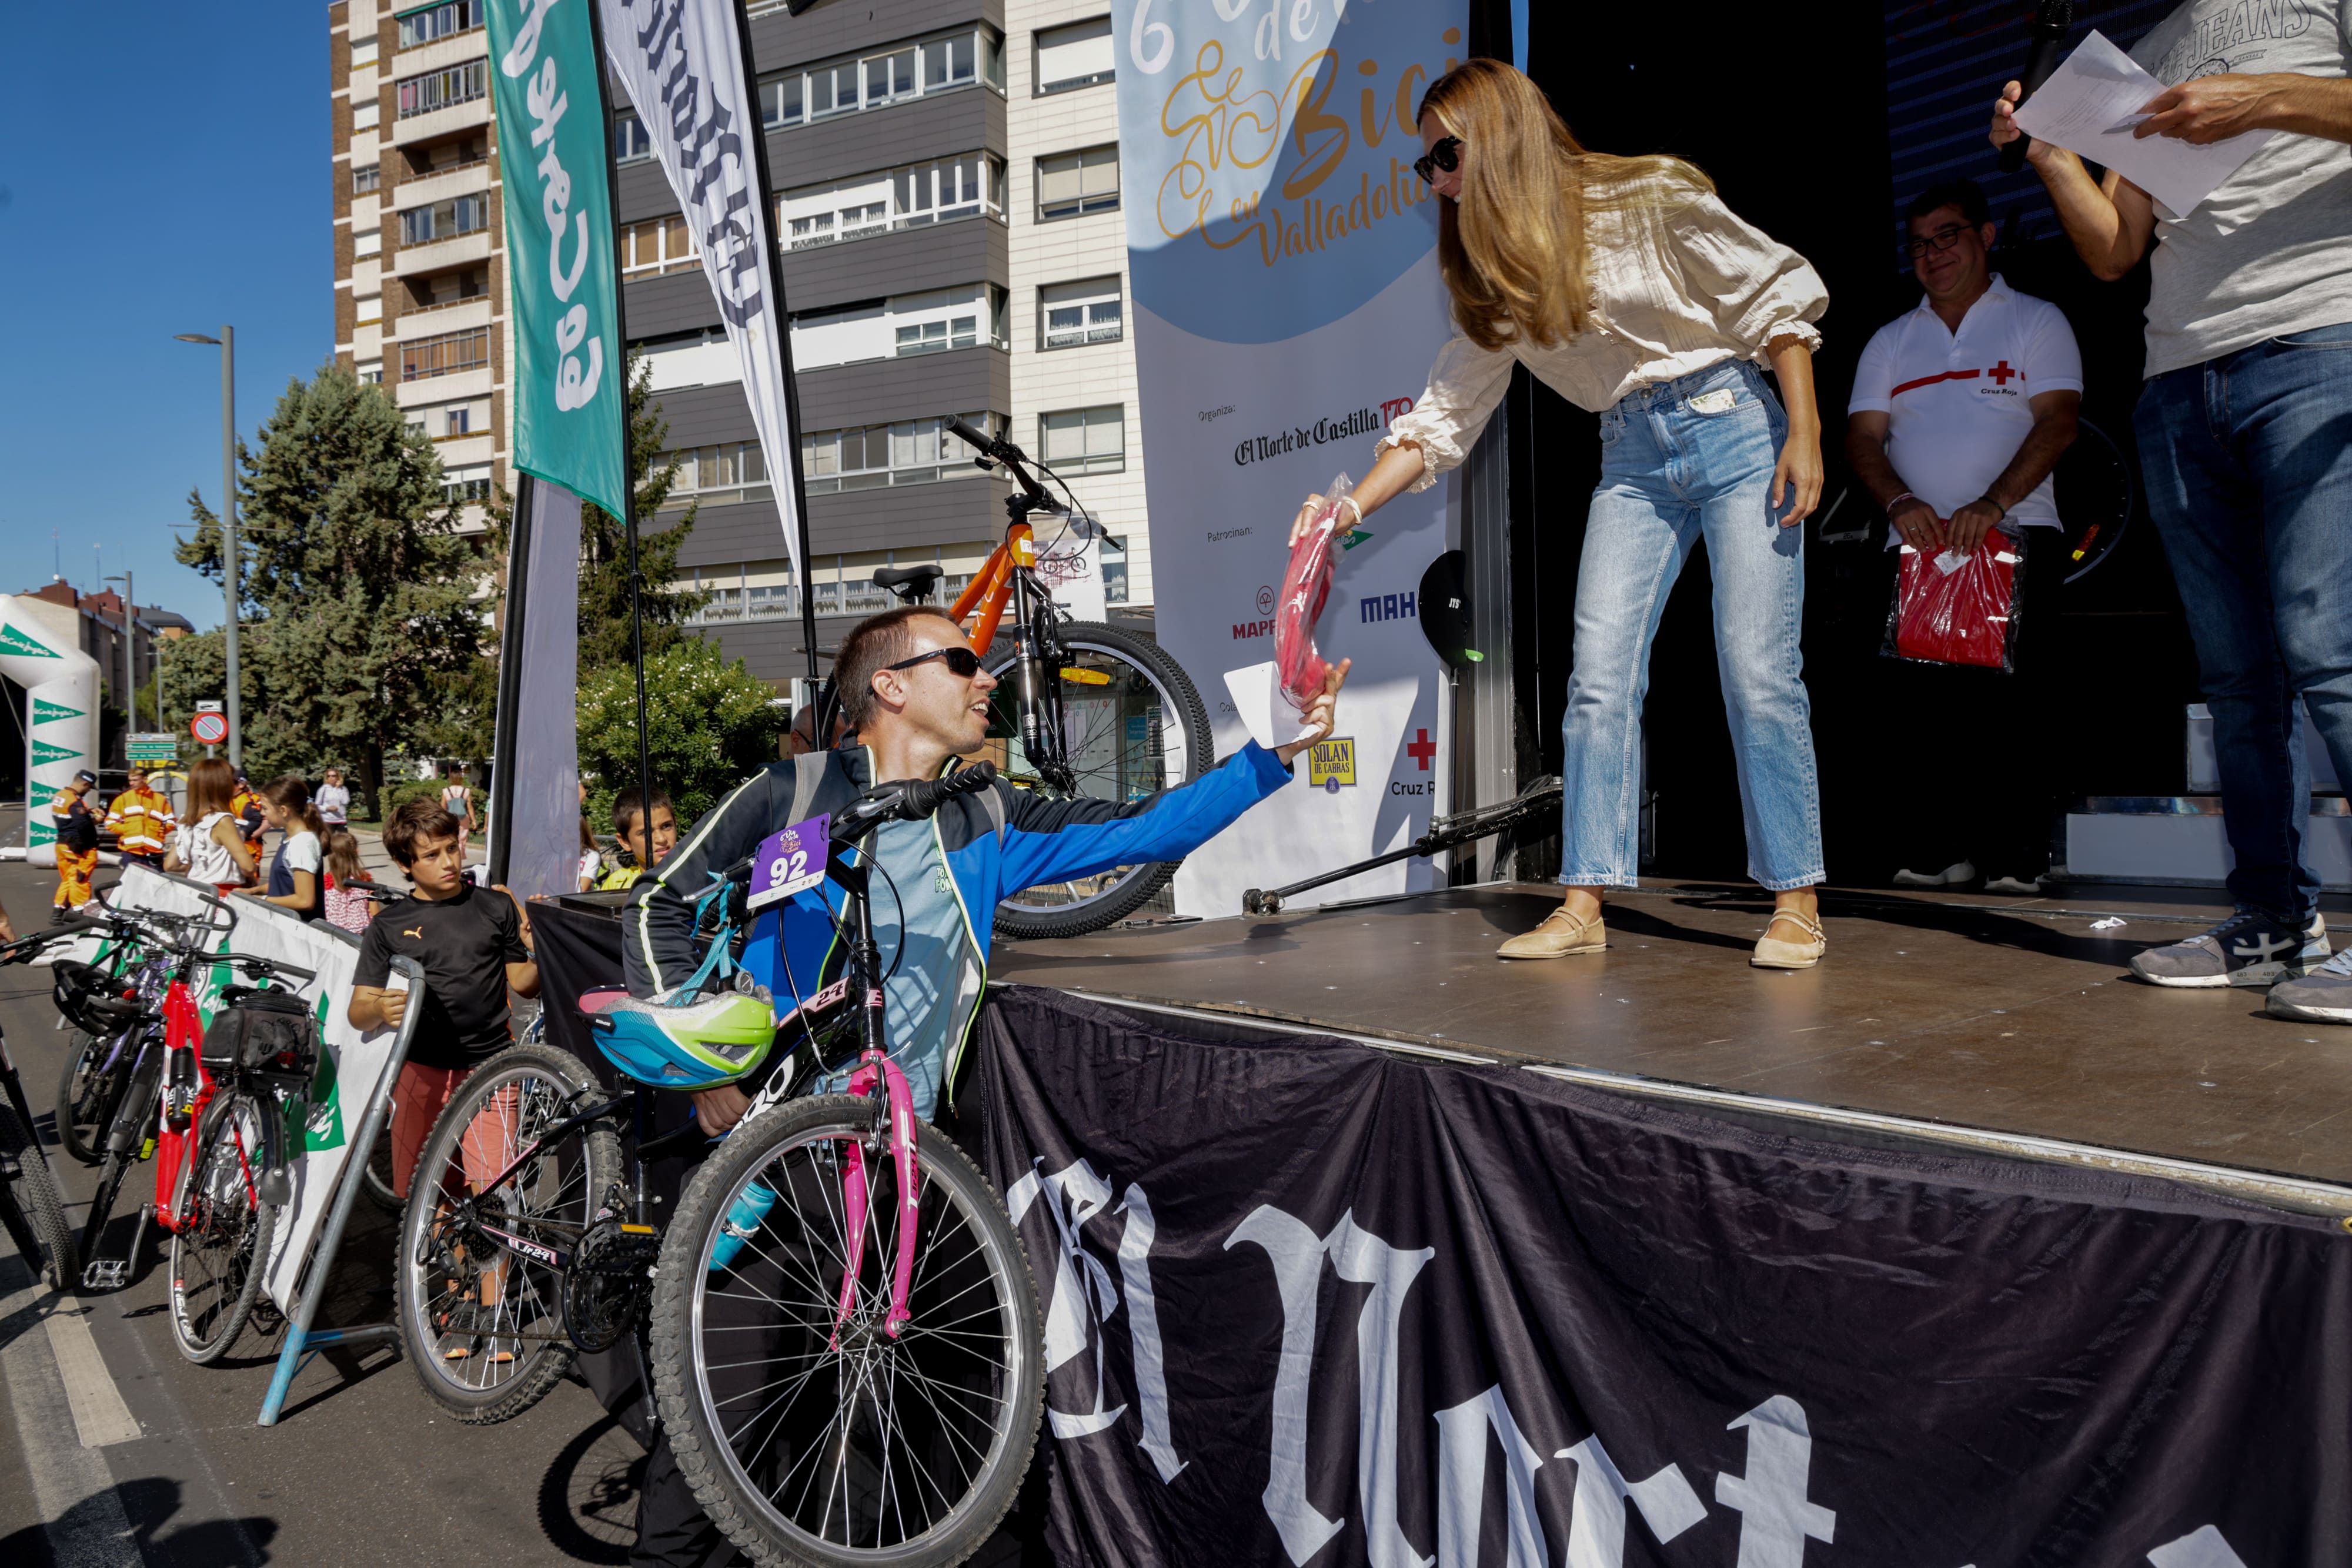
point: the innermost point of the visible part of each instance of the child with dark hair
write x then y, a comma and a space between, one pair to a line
475, 946
295, 881
642, 848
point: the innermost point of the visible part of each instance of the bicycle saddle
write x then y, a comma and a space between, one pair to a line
909, 582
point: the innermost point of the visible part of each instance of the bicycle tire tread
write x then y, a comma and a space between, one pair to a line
264, 1233
44, 1210
86, 1151
705, 1476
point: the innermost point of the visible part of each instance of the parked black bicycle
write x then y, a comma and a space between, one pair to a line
30, 1208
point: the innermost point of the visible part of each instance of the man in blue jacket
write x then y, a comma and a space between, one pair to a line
915, 694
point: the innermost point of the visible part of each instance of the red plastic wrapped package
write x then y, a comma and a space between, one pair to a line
1949, 612
1305, 588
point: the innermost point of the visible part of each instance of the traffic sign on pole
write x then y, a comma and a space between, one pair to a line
209, 728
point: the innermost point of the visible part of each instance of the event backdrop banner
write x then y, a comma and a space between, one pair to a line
682, 63
1309, 1303
348, 1069
570, 364
1287, 306
39, 651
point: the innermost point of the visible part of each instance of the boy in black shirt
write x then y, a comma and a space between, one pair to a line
475, 946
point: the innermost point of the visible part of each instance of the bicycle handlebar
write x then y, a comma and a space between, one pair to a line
1004, 452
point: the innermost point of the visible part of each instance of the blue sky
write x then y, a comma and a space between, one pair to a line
165, 171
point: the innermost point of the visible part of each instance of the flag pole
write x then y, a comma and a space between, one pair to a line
769, 221
628, 463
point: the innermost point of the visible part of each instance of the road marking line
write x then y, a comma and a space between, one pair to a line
98, 1413
75, 1489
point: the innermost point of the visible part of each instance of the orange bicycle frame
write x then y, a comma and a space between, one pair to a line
992, 585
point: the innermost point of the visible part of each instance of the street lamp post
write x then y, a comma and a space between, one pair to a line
227, 342
129, 661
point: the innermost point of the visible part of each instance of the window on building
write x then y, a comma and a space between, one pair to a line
366, 177
366, 114
1083, 440
1114, 568
445, 220
367, 309
722, 474
464, 487
1079, 55
930, 323
1071, 184
362, 51
443, 89
442, 21
461, 422
655, 247
948, 188
630, 142
914, 451
369, 242
908, 72
445, 355
1070, 314
373, 373
747, 591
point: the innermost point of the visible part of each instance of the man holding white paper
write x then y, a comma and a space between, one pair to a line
2241, 437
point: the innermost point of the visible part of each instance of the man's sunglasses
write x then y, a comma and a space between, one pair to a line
962, 661
1446, 155
1942, 239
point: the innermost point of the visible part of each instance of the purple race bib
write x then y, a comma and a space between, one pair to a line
788, 862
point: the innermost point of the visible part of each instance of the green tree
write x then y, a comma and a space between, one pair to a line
710, 724
604, 546
362, 602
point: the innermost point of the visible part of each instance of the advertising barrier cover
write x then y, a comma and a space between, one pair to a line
1287, 306
1307, 1303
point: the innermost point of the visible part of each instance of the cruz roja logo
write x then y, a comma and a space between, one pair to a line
1264, 625
1099, 1254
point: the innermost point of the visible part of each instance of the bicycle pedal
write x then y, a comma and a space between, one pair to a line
106, 1273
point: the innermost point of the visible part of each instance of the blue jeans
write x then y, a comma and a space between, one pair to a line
1669, 476
2249, 465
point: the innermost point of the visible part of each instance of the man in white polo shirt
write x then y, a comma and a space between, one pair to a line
1960, 410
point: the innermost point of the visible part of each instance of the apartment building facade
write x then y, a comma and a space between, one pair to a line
946, 192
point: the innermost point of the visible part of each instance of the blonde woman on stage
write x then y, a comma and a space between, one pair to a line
1627, 287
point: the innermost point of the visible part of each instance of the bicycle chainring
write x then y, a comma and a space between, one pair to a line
608, 1285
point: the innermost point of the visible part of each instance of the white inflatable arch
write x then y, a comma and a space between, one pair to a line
40, 650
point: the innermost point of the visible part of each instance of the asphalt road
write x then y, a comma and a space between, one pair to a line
114, 1452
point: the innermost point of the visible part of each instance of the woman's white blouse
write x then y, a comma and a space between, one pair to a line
1677, 288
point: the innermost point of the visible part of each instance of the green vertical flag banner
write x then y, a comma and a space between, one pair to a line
569, 360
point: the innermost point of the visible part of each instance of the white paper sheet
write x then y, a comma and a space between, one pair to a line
2090, 105
1267, 715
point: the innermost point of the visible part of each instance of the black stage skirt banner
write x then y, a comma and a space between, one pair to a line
1307, 1303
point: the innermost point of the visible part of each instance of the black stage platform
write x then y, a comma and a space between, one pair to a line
2006, 1025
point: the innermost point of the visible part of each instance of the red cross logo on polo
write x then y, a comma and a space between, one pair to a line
2001, 373
1422, 749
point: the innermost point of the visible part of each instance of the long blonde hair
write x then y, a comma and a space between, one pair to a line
1513, 250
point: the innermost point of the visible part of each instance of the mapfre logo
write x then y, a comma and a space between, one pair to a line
1264, 625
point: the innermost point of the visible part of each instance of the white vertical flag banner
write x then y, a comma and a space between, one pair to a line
1287, 306
682, 63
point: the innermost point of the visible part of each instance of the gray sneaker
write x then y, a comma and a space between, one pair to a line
2323, 995
2248, 949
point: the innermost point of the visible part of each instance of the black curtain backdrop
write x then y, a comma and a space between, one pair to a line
1308, 1302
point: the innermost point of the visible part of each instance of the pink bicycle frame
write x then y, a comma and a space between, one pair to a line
875, 1070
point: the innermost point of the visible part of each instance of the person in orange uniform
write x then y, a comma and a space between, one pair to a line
77, 843
142, 822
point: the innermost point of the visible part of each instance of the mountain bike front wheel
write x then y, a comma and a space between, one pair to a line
812, 1435
221, 1250
37, 1207
1125, 721
86, 1095
480, 1271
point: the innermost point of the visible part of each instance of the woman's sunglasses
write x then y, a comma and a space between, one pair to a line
1446, 155
962, 661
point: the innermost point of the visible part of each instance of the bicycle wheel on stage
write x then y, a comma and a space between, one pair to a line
222, 1247
812, 1435
37, 1218
481, 1321
1131, 725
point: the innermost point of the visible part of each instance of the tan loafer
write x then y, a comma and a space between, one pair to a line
1561, 936
1773, 953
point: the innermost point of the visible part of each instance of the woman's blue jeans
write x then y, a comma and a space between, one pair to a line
2249, 465
1671, 476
